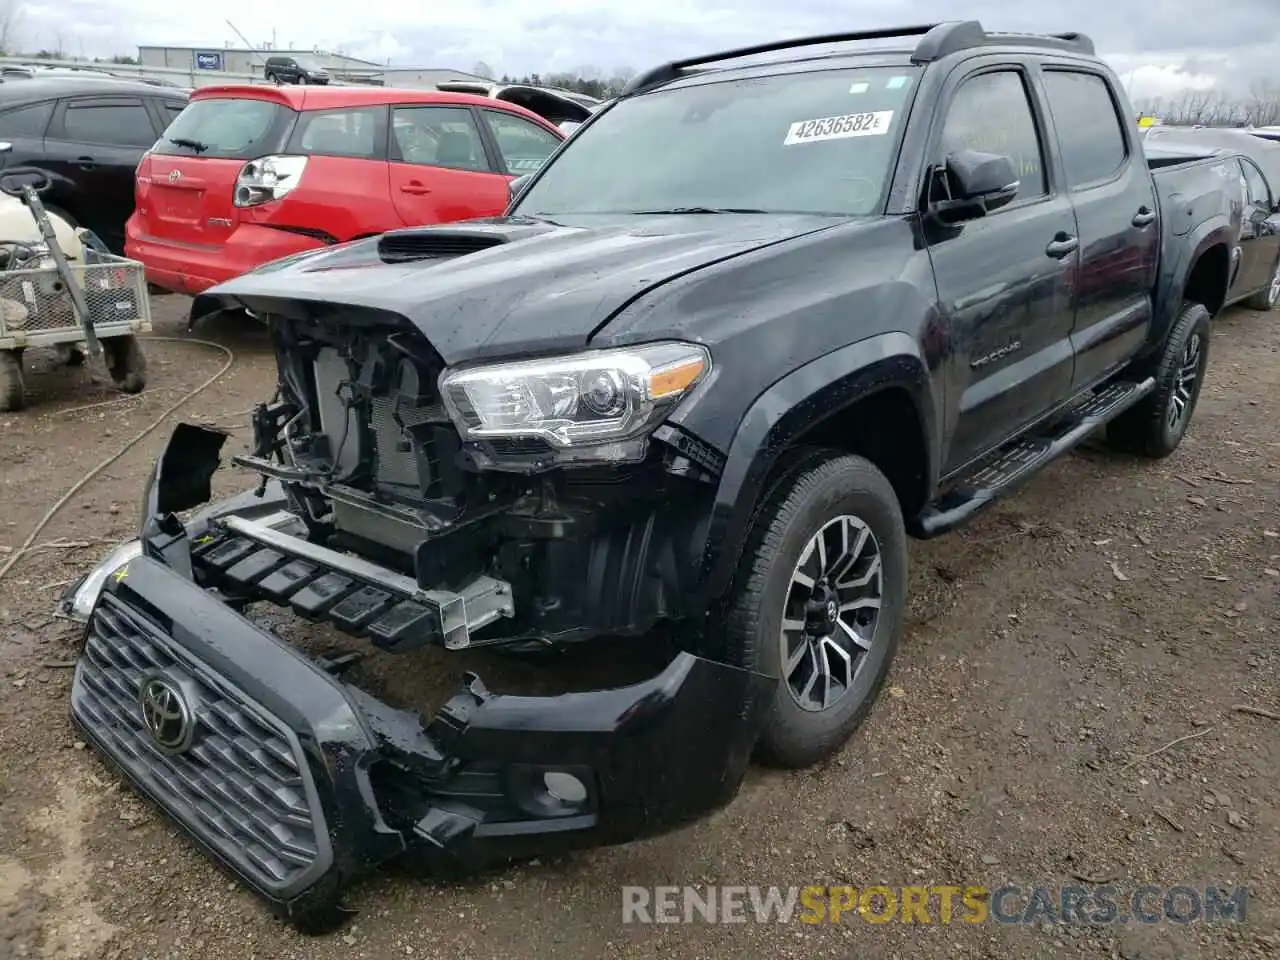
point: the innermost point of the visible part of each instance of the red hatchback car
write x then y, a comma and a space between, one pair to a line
249, 174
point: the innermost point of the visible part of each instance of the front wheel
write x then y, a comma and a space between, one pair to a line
819, 603
301, 80
1155, 426
1269, 296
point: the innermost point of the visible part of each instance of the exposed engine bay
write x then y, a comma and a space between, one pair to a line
362, 441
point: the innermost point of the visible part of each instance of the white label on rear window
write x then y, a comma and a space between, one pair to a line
838, 128
859, 87
896, 82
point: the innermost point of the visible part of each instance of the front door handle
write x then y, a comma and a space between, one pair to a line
415, 188
86, 163
1144, 217
1062, 245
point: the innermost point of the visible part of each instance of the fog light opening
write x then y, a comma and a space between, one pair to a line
564, 787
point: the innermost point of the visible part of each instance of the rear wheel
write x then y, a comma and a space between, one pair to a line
12, 389
1156, 425
126, 363
272, 78
819, 603
1267, 298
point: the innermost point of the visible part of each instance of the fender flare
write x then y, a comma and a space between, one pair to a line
793, 405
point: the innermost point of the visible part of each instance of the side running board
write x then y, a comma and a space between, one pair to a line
1020, 459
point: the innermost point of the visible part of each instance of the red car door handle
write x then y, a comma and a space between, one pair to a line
414, 187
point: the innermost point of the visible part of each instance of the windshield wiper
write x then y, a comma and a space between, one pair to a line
679, 210
190, 144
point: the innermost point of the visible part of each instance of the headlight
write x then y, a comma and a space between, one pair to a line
82, 600
590, 399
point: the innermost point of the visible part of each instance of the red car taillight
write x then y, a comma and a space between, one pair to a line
267, 179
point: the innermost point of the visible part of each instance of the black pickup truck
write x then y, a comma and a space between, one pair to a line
764, 317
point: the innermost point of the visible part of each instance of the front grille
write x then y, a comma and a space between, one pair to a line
239, 785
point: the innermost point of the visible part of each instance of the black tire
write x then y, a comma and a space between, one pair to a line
270, 77
302, 79
1150, 428
126, 363
71, 355
1268, 296
13, 394
820, 494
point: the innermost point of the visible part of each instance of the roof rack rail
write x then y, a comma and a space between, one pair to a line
666, 72
937, 40
957, 35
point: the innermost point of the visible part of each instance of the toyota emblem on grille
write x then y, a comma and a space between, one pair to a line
166, 715
175, 176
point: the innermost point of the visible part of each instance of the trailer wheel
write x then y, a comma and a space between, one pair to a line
126, 363
12, 390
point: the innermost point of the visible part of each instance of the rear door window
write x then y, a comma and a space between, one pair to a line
229, 129
121, 123
438, 137
1090, 131
523, 146
351, 132
28, 122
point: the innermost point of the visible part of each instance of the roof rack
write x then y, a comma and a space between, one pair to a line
937, 40
665, 73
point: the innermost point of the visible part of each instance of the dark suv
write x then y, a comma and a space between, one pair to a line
752, 326
89, 135
289, 69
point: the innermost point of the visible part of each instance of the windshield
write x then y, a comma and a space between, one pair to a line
228, 129
808, 143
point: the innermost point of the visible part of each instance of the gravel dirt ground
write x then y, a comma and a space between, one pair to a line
1054, 647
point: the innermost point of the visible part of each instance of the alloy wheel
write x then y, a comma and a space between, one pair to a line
831, 611
1184, 389
1273, 294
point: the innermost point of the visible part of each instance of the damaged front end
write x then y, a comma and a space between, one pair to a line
296, 779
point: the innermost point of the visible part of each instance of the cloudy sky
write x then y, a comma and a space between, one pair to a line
1187, 44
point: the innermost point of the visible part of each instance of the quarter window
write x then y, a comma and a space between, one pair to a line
339, 133
28, 122
120, 124
991, 113
1090, 131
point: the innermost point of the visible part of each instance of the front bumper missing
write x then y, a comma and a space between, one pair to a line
296, 780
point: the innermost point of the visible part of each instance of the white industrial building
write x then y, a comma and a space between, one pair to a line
205, 63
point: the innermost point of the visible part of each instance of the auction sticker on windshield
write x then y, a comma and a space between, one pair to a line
874, 124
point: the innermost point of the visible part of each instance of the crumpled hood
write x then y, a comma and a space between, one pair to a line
497, 287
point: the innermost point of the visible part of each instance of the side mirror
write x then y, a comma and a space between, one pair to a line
980, 183
516, 187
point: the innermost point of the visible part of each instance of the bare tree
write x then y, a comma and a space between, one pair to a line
10, 21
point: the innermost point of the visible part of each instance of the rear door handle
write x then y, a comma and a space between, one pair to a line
414, 187
1062, 245
1144, 217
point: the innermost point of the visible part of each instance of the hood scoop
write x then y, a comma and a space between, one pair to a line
405, 246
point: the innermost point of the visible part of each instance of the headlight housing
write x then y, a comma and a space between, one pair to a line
84, 596
602, 401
